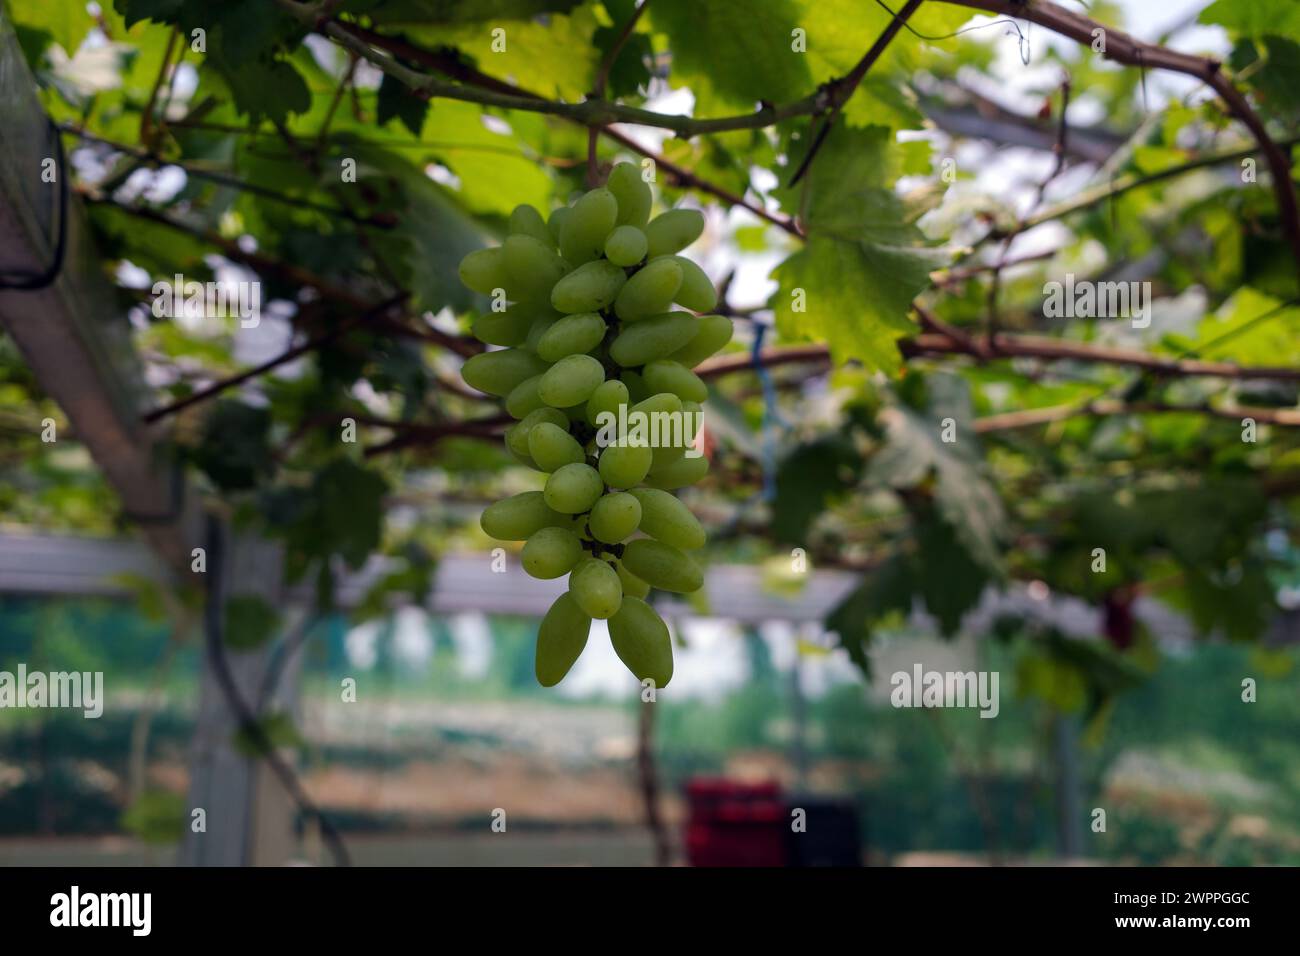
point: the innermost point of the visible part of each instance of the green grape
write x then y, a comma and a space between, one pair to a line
666, 519
653, 338
623, 466
517, 434
551, 552
661, 565
523, 398
597, 588
572, 335
541, 325
519, 517
659, 403
561, 639
678, 474
608, 397
673, 230
636, 389
568, 276
484, 270
582, 235
641, 641
614, 517
632, 585
665, 454
533, 267
648, 292
632, 193
571, 381
625, 246
497, 373
664, 375
693, 417
552, 447
573, 489
697, 292
503, 328
715, 332
592, 287
525, 220
556, 222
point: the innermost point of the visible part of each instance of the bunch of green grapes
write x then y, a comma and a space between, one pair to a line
593, 345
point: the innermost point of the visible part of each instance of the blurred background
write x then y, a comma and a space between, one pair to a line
387, 650
449, 725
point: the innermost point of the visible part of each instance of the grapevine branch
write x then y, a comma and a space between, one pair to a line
288, 355
286, 271
453, 67
153, 159
590, 112
1125, 49
602, 77
1123, 184
844, 88
1050, 349
1027, 418
953, 341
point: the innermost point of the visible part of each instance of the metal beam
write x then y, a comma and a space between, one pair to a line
75, 341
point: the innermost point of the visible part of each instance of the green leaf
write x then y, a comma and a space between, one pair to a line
156, 817
1255, 17
66, 21
233, 450
885, 592
160, 11
391, 12
250, 622
433, 232
807, 479
396, 101
270, 89
273, 730
864, 261
730, 62
554, 58
951, 581
841, 31
495, 172
342, 513
914, 455
1273, 80
629, 72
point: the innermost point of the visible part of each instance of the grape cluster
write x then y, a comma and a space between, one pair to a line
594, 359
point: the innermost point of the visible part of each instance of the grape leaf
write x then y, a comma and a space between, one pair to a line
554, 59
883, 592
729, 61
66, 21
914, 453
840, 32
1255, 17
250, 622
391, 12
853, 282
807, 478
396, 101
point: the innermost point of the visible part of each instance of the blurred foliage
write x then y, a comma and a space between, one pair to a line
1182, 508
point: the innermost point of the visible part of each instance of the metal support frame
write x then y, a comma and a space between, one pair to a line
78, 346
